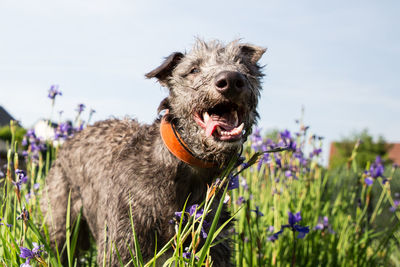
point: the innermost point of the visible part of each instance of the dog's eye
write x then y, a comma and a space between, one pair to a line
194, 70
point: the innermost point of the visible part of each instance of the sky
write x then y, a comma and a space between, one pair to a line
338, 59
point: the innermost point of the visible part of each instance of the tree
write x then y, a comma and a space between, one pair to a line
367, 150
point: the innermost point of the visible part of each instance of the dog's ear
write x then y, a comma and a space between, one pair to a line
251, 52
165, 69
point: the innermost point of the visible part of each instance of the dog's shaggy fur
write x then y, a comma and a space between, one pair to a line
117, 162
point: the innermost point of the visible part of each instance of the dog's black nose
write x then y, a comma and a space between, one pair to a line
229, 82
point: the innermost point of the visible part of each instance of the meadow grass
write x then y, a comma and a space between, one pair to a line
287, 209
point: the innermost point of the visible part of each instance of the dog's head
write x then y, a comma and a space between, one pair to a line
213, 95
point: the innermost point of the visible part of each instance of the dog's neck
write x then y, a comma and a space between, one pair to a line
178, 148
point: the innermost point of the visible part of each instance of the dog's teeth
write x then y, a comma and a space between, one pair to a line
235, 116
240, 128
219, 130
206, 117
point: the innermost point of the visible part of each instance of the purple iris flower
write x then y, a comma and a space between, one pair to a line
233, 182
20, 179
288, 173
278, 161
394, 207
287, 140
323, 224
258, 212
368, 181
265, 159
274, 237
187, 255
24, 141
240, 161
256, 139
63, 131
21, 175
193, 211
24, 215
80, 108
31, 133
80, 127
293, 225
30, 254
240, 200
376, 170
315, 152
294, 218
53, 92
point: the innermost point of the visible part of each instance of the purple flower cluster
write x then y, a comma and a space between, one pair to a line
193, 211
34, 254
376, 170
323, 224
295, 163
35, 145
64, 131
188, 254
20, 178
293, 225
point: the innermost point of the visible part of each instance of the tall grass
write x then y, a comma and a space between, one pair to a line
287, 210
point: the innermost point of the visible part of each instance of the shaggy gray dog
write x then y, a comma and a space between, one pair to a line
211, 107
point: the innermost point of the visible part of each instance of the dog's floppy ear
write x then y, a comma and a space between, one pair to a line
251, 52
165, 69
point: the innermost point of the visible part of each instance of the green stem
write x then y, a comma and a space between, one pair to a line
294, 249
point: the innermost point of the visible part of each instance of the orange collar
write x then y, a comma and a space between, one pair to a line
178, 148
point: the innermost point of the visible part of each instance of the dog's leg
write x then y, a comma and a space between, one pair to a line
54, 204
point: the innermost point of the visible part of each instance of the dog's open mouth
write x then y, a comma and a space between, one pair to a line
222, 121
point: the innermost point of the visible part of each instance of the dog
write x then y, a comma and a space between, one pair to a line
211, 107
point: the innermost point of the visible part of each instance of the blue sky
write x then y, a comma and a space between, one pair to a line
338, 59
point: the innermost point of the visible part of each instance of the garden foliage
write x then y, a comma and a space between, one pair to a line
287, 209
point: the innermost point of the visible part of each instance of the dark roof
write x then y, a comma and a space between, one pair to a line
5, 117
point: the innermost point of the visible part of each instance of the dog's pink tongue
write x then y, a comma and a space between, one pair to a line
210, 127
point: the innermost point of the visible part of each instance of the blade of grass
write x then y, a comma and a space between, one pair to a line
212, 229
68, 231
138, 254
75, 234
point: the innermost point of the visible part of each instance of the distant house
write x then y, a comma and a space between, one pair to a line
5, 117
393, 152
